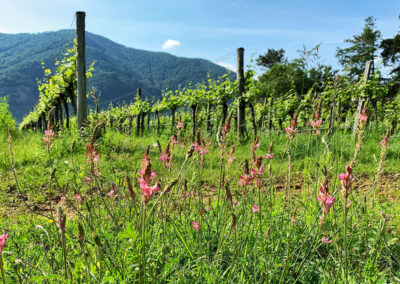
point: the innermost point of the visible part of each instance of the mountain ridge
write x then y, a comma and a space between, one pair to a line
119, 70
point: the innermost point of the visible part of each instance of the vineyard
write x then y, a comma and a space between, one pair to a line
228, 181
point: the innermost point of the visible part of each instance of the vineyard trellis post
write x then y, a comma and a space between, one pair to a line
361, 99
81, 69
138, 115
241, 103
332, 111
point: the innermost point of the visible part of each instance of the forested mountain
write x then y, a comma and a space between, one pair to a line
119, 70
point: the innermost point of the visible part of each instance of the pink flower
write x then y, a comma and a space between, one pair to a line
77, 197
49, 135
163, 157
324, 199
231, 160
148, 190
235, 202
88, 180
246, 180
269, 156
179, 124
346, 180
111, 193
92, 154
3, 239
290, 132
254, 208
363, 117
325, 240
203, 150
195, 225
259, 172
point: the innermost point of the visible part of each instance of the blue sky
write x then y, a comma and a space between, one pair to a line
209, 29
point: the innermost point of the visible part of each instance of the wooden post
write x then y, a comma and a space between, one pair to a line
241, 127
332, 114
81, 69
361, 99
138, 116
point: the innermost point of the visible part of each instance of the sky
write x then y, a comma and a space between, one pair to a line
208, 29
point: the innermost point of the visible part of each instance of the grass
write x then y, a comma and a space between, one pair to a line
116, 234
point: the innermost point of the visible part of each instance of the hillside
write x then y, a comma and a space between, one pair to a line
119, 70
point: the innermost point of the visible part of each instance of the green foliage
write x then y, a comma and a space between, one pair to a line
6, 119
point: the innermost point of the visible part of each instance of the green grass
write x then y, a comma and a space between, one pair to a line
129, 240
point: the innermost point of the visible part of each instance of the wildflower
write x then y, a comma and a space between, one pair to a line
88, 180
179, 124
346, 180
48, 136
324, 199
92, 154
3, 239
146, 176
61, 221
195, 225
326, 240
385, 140
364, 115
254, 208
166, 156
291, 129
81, 231
231, 158
226, 128
111, 193
203, 150
174, 140
148, 190
269, 155
245, 180
258, 173
77, 197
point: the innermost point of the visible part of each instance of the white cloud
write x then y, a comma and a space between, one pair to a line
3, 31
170, 43
227, 66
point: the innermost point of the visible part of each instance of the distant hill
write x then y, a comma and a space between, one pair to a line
119, 70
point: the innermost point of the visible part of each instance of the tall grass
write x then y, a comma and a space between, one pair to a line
197, 225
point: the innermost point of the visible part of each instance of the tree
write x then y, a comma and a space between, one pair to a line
391, 54
362, 48
272, 57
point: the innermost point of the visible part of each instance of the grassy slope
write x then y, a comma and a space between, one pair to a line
121, 155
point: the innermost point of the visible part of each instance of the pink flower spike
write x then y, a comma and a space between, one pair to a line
330, 241
254, 208
111, 193
269, 156
3, 239
323, 240
78, 198
163, 157
196, 225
